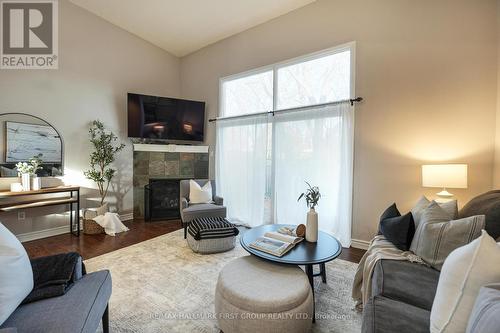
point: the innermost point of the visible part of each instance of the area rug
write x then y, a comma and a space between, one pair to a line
160, 285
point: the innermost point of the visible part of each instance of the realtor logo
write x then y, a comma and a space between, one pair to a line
29, 38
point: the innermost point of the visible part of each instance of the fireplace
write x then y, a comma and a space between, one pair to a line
161, 199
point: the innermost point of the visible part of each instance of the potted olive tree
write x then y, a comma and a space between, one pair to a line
105, 148
312, 196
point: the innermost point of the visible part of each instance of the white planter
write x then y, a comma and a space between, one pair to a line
36, 183
26, 181
312, 226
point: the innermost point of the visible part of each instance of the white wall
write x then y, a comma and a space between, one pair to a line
98, 64
427, 70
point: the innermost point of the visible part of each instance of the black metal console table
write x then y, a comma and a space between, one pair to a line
72, 198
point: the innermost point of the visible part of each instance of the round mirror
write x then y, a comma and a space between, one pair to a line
23, 137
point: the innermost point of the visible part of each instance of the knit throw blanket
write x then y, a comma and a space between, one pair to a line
379, 249
211, 228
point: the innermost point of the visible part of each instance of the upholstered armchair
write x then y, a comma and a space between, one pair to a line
190, 212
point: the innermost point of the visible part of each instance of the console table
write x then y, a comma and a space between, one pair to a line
28, 201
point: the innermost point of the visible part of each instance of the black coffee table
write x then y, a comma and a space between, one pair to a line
305, 253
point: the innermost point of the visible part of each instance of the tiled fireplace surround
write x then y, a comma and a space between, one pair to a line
169, 165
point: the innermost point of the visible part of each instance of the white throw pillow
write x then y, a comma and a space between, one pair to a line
464, 272
16, 275
198, 194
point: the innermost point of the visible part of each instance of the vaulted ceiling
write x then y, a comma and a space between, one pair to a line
184, 26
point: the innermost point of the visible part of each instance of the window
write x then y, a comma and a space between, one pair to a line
263, 160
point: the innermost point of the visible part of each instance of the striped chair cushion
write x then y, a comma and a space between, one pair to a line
211, 227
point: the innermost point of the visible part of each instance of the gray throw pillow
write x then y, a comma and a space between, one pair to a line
485, 316
450, 207
7, 172
436, 236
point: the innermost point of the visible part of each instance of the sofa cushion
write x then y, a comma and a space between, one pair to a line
202, 210
487, 204
464, 272
396, 279
385, 315
485, 316
79, 310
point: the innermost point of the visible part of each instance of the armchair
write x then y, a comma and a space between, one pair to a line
189, 212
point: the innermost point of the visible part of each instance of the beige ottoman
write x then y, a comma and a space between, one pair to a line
254, 295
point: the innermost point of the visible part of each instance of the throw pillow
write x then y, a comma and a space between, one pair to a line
437, 236
451, 207
198, 194
464, 272
16, 275
399, 230
484, 317
391, 211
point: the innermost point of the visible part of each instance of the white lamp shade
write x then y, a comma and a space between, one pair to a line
444, 175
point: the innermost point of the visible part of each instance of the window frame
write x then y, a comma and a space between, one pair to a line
350, 46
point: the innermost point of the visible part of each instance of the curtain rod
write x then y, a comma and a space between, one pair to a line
352, 101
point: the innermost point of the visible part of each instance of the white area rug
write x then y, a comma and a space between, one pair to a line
160, 285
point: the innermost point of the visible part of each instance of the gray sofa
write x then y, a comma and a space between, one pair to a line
403, 292
190, 212
80, 309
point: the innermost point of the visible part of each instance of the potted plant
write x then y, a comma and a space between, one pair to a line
27, 169
312, 196
105, 149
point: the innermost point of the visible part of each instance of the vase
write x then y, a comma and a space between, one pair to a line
26, 180
36, 183
312, 226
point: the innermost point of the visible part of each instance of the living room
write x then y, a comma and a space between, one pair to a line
308, 120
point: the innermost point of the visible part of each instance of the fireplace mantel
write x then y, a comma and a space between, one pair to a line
170, 148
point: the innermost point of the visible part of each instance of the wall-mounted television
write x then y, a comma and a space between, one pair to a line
164, 118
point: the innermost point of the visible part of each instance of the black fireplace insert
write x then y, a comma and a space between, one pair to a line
161, 199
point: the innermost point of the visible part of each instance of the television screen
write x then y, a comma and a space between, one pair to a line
164, 118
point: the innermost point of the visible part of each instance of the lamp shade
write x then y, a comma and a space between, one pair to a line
444, 175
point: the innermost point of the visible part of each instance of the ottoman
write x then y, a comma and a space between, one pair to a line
254, 295
211, 235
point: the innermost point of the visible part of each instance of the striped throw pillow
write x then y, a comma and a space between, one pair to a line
436, 236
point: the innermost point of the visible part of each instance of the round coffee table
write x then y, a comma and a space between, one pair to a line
305, 253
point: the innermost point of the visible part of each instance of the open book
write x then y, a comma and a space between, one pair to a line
275, 243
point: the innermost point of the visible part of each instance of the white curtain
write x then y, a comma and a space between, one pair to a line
315, 145
241, 167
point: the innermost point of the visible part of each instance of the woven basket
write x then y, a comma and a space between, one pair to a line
90, 227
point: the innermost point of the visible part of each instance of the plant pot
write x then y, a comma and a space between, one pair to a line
312, 226
36, 183
26, 181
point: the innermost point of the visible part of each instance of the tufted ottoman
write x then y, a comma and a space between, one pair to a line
254, 295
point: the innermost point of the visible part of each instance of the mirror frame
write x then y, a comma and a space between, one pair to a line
45, 121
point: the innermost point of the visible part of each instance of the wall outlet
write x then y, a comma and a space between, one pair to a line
21, 215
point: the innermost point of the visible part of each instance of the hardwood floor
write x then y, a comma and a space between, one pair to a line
90, 246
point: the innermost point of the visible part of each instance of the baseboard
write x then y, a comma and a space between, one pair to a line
29, 236
360, 244
127, 217
33, 235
